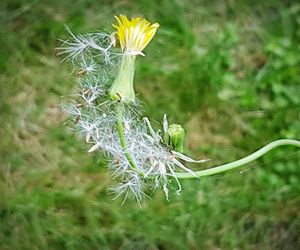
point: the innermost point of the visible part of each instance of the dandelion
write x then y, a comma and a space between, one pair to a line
105, 113
133, 36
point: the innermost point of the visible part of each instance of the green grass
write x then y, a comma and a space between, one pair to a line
229, 73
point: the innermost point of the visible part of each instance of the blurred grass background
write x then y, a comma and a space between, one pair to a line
227, 70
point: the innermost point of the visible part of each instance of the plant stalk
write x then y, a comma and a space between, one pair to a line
240, 162
122, 137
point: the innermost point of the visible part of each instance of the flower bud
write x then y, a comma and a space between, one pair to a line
176, 137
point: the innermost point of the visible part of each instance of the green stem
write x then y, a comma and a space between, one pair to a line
240, 162
122, 137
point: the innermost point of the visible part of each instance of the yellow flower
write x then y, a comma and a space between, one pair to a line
134, 34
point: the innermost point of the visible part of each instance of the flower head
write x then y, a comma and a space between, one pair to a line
135, 34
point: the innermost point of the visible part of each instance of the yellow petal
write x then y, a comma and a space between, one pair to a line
135, 34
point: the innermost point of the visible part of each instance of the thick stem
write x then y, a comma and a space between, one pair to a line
122, 137
240, 162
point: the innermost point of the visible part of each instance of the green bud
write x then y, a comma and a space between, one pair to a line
176, 137
122, 88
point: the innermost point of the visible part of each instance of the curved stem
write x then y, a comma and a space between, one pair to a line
240, 162
122, 137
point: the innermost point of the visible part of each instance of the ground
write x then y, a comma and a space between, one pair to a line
228, 71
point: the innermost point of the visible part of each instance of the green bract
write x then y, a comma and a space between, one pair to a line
122, 88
